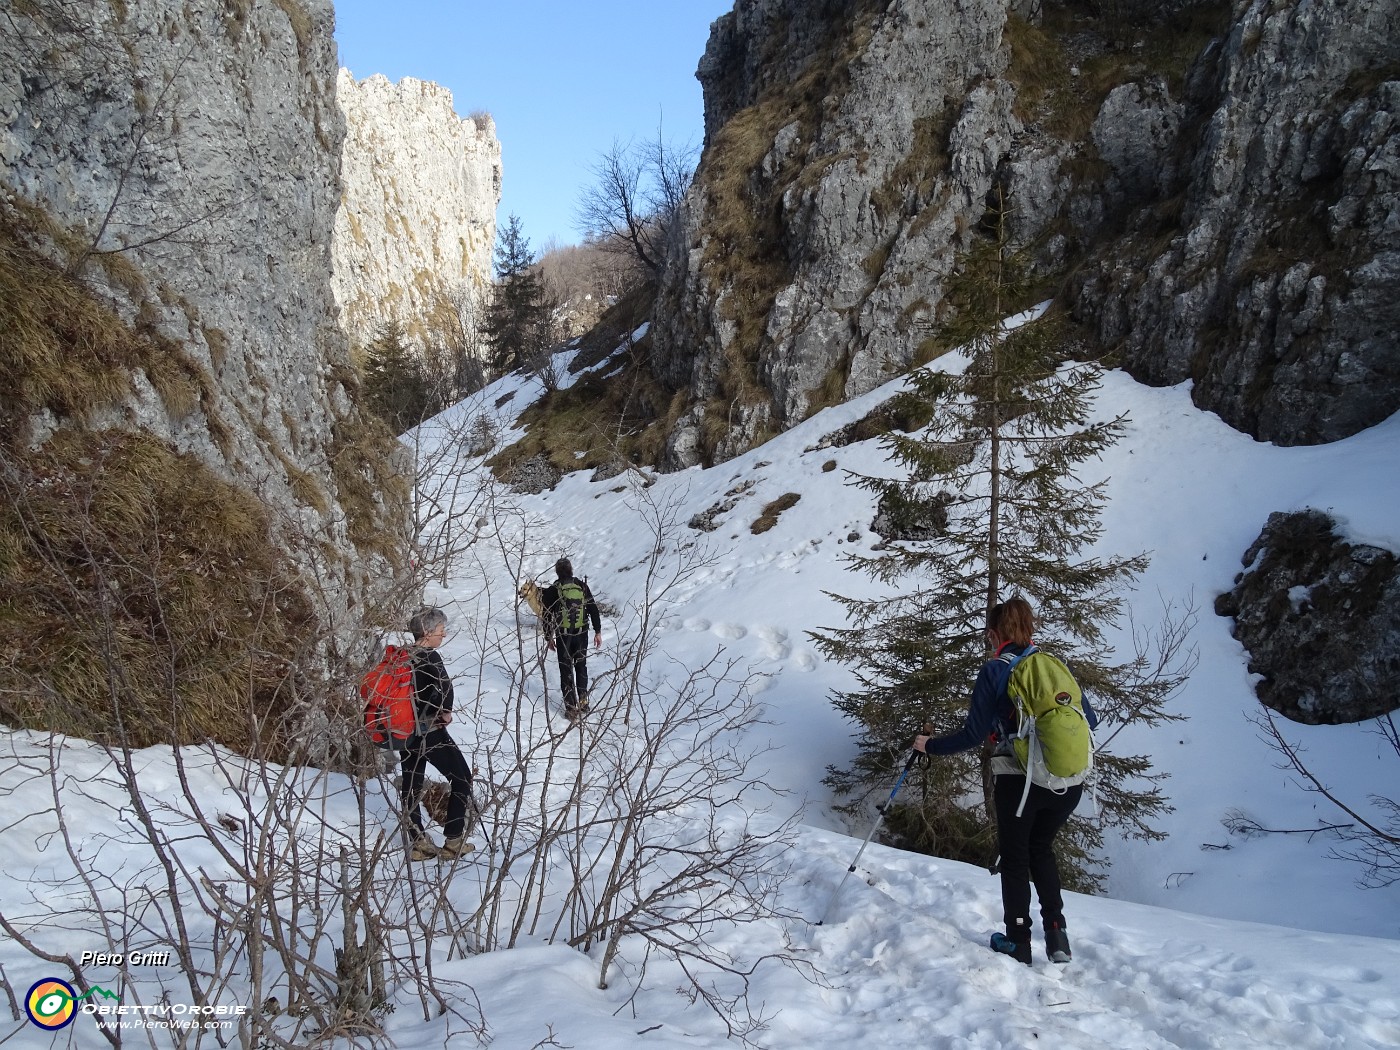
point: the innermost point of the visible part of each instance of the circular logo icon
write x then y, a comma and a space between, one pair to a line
50, 1003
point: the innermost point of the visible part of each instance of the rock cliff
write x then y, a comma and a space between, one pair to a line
1260, 252
1211, 191
417, 220
848, 144
178, 160
1218, 181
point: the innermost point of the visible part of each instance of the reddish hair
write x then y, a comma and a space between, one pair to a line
1013, 621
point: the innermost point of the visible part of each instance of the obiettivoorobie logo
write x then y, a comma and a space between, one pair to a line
52, 1003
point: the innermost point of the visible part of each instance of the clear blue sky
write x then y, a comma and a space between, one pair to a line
561, 79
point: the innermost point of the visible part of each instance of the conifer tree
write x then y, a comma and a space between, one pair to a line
994, 477
518, 322
396, 383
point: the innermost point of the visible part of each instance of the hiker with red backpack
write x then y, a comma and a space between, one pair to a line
408, 707
568, 608
1041, 723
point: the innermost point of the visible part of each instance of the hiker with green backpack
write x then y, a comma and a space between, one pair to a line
568, 608
1041, 724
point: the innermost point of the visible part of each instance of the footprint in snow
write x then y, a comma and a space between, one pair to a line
775, 643
731, 631
697, 623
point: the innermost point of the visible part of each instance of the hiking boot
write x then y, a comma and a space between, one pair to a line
1018, 950
423, 849
1057, 943
454, 848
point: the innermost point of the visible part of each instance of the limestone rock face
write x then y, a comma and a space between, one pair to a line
1233, 219
1321, 620
188, 151
848, 145
1275, 288
417, 218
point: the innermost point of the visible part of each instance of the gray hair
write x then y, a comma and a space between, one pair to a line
425, 621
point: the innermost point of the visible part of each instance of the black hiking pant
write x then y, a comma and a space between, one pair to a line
572, 650
1027, 851
440, 751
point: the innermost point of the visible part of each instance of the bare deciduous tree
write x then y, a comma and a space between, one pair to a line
635, 198
1375, 835
275, 889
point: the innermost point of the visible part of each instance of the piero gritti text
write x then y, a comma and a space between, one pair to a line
124, 959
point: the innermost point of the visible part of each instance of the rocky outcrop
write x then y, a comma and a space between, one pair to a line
1269, 199
848, 146
183, 157
1230, 212
1321, 620
417, 219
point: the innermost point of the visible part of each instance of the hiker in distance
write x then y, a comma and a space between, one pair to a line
1028, 815
432, 745
568, 607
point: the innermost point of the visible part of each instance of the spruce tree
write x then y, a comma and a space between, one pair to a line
396, 384
992, 481
518, 322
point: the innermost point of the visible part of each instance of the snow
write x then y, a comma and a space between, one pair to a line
1206, 939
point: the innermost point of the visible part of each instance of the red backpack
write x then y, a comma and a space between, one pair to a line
390, 719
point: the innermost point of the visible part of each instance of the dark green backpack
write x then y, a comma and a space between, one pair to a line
573, 617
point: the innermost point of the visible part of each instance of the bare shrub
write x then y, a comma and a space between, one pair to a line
1374, 835
589, 847
282, 885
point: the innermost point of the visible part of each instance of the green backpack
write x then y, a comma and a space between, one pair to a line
1054, 743
573, 616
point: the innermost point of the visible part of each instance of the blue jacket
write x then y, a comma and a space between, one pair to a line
991, 710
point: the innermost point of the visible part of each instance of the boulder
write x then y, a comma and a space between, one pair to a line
1320, 618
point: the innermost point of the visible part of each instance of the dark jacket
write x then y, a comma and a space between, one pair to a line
432, 689
991, 711
554, 607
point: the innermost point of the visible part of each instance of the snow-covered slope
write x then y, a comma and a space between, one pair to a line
1184, 487
1267, 943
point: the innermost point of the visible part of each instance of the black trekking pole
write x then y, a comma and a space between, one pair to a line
880, 809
